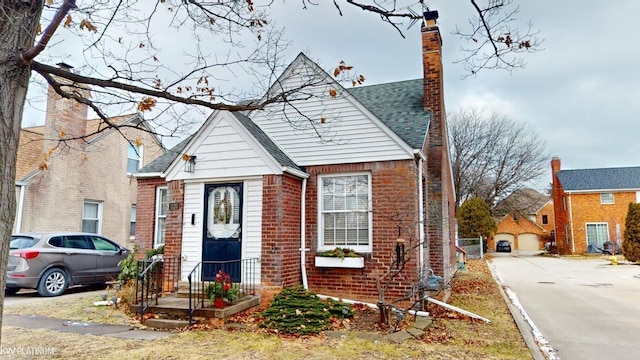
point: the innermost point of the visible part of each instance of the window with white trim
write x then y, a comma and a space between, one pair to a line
92, 217
597, 235
607, 198
162, 205
132, 223
344, 212
134, 158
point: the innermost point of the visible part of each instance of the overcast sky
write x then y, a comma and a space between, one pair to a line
581, 93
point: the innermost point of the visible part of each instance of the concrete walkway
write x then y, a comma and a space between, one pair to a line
81, 327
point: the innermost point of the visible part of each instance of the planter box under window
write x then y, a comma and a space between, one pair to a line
336, 262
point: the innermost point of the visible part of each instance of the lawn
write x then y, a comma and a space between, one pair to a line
453, 336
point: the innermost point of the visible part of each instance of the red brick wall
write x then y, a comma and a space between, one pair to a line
280, 264
173, 231
145, 214
394, 201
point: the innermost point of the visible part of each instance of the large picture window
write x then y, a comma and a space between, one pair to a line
345, 212
162, 205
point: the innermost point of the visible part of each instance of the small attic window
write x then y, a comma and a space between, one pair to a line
607, 198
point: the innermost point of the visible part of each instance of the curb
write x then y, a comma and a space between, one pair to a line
523, 326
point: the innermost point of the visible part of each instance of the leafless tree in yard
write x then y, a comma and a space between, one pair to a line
116, 43
492, 155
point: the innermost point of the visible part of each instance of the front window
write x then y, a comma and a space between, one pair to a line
162, 204
345, 212
134, 158
606, 198
92, 217
545, 220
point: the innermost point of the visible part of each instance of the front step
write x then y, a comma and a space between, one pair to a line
166, 323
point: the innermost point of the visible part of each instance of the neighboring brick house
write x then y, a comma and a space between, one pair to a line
525, 218
85, 184
591, 206
359, 169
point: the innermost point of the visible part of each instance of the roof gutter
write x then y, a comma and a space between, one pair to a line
298, 173
600, 191
149, 175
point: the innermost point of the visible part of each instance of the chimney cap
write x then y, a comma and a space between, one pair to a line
430, 15
65, 66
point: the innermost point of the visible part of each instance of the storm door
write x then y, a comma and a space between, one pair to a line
222, 235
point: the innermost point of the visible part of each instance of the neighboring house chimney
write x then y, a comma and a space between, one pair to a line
555, 165
65, 118
441, 209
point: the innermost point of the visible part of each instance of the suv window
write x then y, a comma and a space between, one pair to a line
77, 242
22, 242
104, 244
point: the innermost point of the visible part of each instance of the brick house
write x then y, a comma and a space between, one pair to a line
85, 184
591, 206
359, 170
525, 219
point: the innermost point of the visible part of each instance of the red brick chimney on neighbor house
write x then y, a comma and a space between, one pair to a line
440, 209
560, 211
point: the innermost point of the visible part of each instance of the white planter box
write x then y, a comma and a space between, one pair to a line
336, 262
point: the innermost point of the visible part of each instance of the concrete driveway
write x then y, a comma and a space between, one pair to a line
26, 296
586, 309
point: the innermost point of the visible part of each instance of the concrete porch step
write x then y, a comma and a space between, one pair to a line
166, 323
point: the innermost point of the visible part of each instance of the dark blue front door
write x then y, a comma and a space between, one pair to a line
222, 235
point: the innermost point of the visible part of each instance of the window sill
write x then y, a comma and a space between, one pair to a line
336, 262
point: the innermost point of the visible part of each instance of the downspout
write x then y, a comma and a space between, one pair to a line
573, 243
303, 231
20, 208
421, 214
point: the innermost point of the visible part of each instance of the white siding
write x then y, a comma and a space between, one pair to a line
349, 134
224, 149
251, 223
192, 234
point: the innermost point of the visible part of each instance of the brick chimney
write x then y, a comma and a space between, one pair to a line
65, 116
555, 165
441, 200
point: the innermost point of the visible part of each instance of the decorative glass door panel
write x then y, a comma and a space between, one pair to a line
222, 235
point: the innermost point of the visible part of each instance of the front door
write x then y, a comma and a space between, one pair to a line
222, 235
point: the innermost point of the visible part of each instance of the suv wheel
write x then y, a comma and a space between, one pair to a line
53, 283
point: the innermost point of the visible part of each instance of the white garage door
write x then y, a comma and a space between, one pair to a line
508, 237
528, 242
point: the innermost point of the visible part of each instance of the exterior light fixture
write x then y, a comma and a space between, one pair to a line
189, 163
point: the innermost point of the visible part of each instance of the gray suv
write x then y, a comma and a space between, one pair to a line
51, 262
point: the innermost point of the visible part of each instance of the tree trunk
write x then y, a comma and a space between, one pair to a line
18, 25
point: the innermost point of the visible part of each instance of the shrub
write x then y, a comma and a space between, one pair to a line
631, 244
299, 311
339, 253
474, 219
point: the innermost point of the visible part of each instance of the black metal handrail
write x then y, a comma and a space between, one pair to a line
155, 277
243, 273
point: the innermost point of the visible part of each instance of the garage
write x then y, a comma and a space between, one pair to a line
528, 242
508, 237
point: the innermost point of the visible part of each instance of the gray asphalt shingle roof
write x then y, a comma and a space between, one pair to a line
162, 162
623, 178
400, 106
